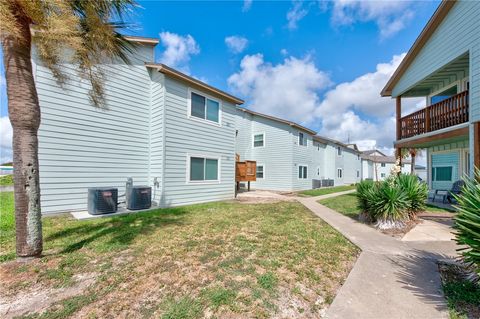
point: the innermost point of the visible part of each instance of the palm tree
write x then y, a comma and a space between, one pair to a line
89, 30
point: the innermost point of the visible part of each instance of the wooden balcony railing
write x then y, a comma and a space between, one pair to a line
449, 112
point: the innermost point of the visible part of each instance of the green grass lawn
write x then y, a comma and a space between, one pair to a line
344, 204
347, 205
6, 180
217, 260
329, 190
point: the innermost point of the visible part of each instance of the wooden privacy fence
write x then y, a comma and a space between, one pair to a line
245, 171
446, 113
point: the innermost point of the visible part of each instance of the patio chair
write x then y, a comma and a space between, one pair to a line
456, 190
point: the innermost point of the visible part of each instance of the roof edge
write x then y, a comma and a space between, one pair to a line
273, 118
182, 76
432, 24
145, 40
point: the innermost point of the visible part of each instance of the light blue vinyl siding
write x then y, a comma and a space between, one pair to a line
302, 156
186, 136
276, 155
81, 146
456, 35
156, 133
445, 160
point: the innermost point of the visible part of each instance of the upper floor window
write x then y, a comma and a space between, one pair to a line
382, 165
259, 140
339, 151
302, 140
204, 107
339, 172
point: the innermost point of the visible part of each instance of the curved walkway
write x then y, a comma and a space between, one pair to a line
391, 278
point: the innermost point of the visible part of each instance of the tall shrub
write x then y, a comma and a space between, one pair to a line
415, 191
467, 221
389, 206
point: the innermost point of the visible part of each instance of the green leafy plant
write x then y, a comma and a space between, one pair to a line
415, 191
467, 221
389, 206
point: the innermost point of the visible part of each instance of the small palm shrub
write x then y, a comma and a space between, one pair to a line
390, 206
416, 192
467, 221
391, 203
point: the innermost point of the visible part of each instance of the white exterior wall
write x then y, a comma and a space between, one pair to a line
81, 146
186, 136
302, 155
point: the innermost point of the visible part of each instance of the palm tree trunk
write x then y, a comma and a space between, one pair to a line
413, 155
24, 113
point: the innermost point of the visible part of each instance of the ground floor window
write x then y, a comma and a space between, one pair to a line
358, 173
382, 175
339, 172
302, 172
442, 173
260, 171
203, 169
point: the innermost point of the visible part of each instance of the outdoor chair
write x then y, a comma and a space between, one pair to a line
447, 195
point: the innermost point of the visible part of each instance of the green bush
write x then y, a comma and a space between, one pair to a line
467, 221
392, 202
416, 192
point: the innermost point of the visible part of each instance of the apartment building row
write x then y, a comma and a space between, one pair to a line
179, 135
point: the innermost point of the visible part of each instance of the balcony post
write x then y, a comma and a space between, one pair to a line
399, 117
427, 119
476, 146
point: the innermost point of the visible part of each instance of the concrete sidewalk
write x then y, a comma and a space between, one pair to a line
391, 278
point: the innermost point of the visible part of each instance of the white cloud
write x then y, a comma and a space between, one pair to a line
390, 16
288, 90
236, 43
284, 52
6, 134
178, 50
295, 14
247, 4
351, 110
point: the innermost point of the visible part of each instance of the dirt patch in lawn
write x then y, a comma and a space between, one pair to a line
20, 296
264, 197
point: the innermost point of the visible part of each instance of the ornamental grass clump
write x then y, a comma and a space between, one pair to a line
393, 202
467, 221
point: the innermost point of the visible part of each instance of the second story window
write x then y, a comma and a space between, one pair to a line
204, 108
383, 165
259, 140
302, 140
339, 151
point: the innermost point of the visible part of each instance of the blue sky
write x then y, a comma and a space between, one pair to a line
320, 63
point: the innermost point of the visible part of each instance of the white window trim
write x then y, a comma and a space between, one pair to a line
339, 169
206, 96
253, 139
302, 165
263, 165
219, 169
304, 137
341, 151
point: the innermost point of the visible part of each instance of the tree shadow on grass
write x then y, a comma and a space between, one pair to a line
116, 231
419, 273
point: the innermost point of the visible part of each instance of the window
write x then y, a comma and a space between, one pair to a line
444, 95
259, 171
204, 108
259, 140
203, 169
442, 174
339, 172
358, 173
339, 151
382, 175
382, 165
358, 157
302, 172
302, 140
